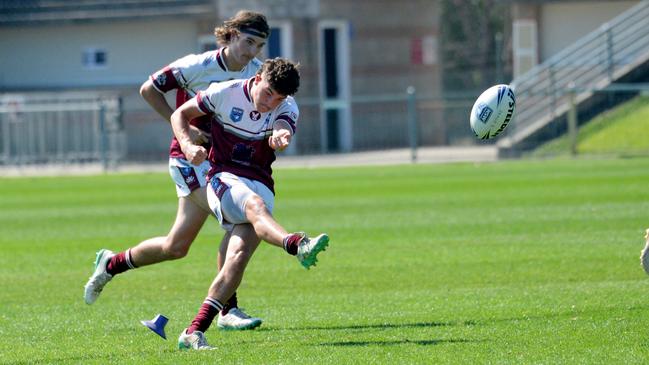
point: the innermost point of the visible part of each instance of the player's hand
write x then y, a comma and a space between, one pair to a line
195, 154
280, 139
198, 136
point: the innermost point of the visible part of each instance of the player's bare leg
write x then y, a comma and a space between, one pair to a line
644, 254
243, 243
189, 220
231, 317
297, 244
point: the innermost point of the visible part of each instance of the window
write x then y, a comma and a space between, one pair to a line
280, 41
525, 46
334, 86
94, 58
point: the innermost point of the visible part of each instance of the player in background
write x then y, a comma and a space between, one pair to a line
250, 120
244, 36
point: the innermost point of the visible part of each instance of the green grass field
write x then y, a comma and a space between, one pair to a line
520, 262
620, 131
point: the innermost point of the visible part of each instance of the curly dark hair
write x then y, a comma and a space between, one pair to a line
245, 21
282, 75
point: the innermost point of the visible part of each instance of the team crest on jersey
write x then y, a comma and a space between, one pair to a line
236, 114
255, 115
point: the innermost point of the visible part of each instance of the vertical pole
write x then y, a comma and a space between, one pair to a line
498, 40
6, 137
412, 123
572, 120
102, 136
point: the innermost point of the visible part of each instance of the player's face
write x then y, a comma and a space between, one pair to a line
244, 47
263, 96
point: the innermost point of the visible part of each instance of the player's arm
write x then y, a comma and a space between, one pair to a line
158, 102
156, 99
282, 135
194, 153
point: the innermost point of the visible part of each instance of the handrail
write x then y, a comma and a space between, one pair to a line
592, 62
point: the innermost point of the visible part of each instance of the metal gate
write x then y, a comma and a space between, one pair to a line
60, 128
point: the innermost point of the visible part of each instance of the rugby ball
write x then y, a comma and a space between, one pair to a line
492, 111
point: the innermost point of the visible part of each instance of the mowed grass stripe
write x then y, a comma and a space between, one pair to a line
509, 262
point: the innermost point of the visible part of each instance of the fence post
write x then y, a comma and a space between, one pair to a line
412, 123
572, 119
103, 138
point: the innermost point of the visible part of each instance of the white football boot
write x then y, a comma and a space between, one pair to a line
644, 254
195, 341
99, 278
236, 319
309, 248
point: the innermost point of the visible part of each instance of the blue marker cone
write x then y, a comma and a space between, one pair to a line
157, 325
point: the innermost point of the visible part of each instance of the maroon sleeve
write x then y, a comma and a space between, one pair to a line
164, 80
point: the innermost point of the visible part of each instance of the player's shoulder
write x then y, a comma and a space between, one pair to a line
203, 60
208, 59
225, 86
290, 102
288, 106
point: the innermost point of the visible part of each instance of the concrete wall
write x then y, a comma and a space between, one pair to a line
50, 56
562, 23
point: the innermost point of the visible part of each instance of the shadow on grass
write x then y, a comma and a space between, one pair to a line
369, 326
391, 343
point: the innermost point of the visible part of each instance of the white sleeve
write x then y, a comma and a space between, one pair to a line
187, 69
289, 113
210, 99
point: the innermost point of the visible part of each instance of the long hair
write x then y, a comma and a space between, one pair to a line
245, 21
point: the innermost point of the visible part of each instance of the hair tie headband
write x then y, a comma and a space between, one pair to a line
253, 31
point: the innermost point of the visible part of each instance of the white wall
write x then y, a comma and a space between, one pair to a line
51, 56
563, 23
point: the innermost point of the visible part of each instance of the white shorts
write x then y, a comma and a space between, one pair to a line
227, 195
186, 176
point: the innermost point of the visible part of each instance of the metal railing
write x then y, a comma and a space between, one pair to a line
60, 129
593, 62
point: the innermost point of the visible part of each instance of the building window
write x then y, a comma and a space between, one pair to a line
334, 54
280, 42
94, 58
525, 46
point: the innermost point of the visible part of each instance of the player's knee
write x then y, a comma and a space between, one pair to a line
255, 206
240, 254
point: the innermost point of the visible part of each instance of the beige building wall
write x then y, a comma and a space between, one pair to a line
51, 55
541, 29
563, 23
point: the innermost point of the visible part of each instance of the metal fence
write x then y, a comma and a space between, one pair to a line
60, 129
391, 121
80, 128
72, 128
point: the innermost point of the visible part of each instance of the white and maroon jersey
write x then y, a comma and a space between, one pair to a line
192, 73
240, 133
